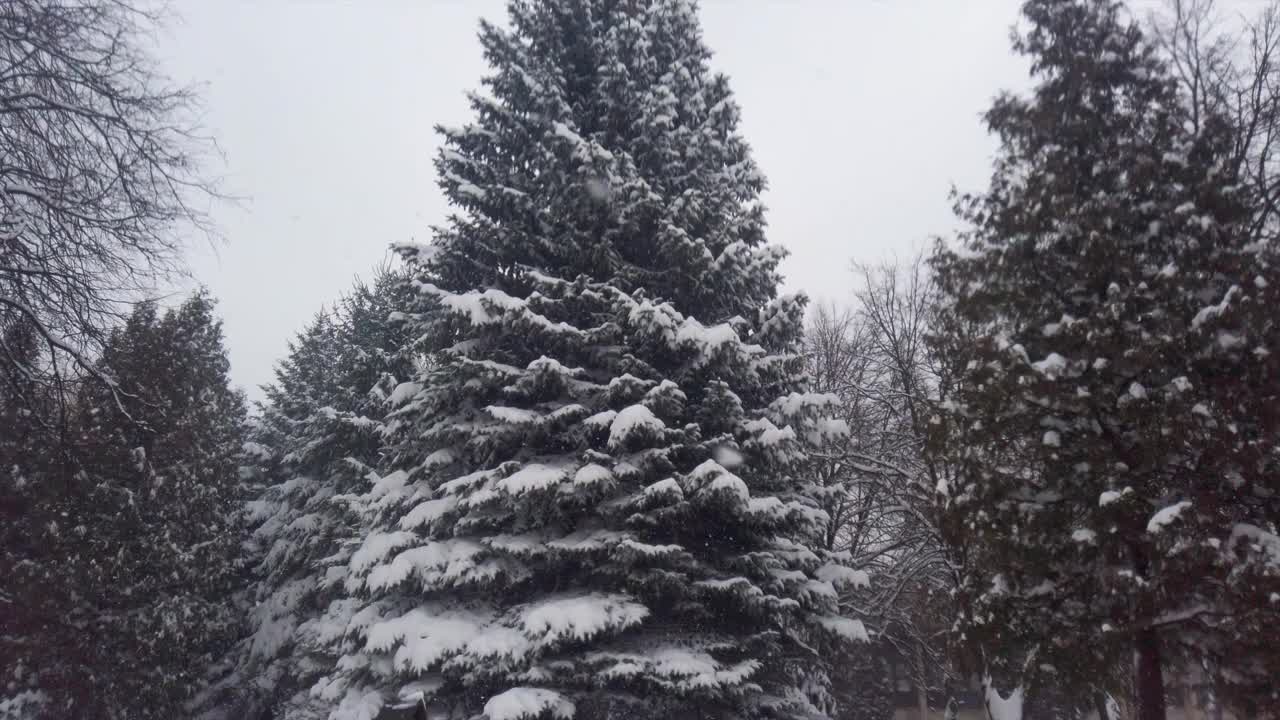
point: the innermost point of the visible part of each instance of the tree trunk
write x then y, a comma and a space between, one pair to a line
1100, 705
922, 687
1150, 675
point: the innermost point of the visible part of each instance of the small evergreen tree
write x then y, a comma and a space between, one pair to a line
279, 515
592, 507
319, 437
1116, 425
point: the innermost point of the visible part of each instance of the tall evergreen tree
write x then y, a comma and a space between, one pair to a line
128, 598
318, 438
162, 466
1116, 426
592, 508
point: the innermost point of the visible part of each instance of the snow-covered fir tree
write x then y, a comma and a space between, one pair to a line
319, 436
592, 508
1115, 426
125, 592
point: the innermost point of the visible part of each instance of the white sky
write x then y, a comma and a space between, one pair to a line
862, 114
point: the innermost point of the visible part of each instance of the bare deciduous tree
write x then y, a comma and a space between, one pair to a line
100, 177
881, 483
1229, 66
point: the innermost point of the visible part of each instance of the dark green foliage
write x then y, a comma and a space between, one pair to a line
130, 526
861, 683
1116, 423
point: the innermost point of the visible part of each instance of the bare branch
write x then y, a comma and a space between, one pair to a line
100, 175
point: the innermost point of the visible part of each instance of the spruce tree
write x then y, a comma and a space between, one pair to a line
255, 675
319, 437
1115, 425
592, 507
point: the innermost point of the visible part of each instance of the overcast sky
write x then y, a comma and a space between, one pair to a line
862, 113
